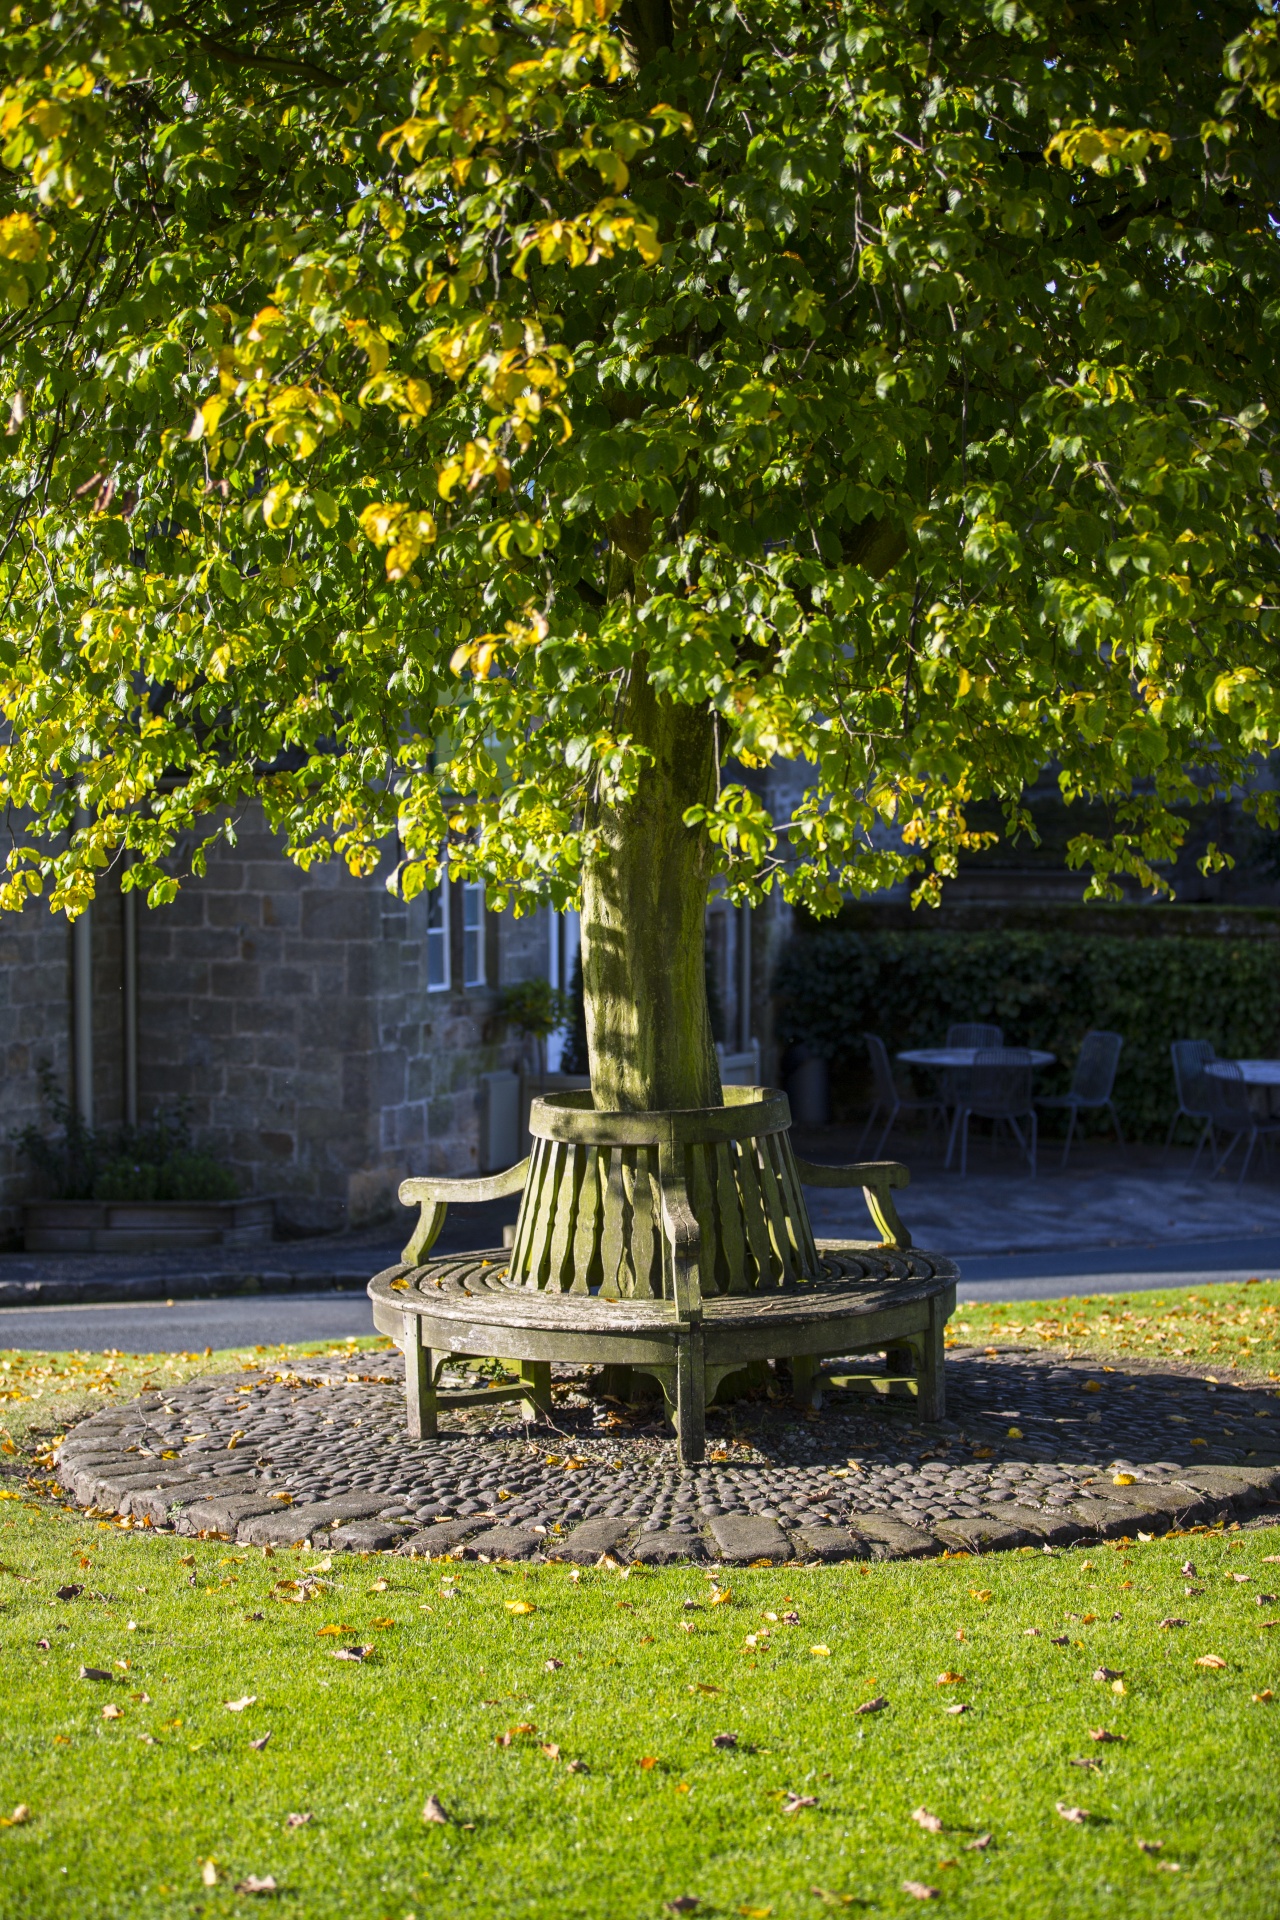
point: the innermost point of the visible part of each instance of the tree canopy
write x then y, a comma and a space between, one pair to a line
388, 388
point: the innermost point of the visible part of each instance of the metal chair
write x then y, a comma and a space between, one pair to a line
999, 1089
975, 1036
889, 1097
1230, 1109
1190, 1058
1091, 1082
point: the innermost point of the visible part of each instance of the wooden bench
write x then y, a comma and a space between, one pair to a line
677, 1245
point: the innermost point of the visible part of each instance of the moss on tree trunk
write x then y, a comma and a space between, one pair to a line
644, 896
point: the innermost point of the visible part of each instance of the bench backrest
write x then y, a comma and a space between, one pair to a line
663, 1205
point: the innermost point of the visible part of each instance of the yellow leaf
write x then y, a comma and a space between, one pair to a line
820, 1653
520, 1606
382, 1624
949, 1679
1123, 1479
981, 1593
1211, 1660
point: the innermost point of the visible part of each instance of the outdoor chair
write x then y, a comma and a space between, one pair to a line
999, 1089
1190, 1058
975, 1036
889, 1098
1231, 1112
1091, 1083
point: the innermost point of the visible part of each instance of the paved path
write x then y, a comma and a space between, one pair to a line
1036, 1452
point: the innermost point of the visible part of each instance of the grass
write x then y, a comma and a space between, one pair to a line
125, 1812
1235, 1328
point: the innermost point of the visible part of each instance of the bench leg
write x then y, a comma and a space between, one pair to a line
419, 1381
536, 1375
899, 1361
691, 1399
932, 1390
805, 1390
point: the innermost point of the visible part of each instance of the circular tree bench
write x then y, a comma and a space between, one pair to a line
673, 1244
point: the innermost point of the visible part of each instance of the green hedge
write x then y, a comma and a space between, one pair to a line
1045, 990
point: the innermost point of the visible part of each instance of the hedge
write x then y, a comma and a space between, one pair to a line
1045, 990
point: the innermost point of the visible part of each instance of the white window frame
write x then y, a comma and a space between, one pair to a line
438, 932
473, 975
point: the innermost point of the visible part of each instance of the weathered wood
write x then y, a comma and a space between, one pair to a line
419, 1383
435, 1195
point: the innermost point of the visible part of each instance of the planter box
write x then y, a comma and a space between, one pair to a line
144, 1226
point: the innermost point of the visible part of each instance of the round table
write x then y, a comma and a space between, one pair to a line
968, 1057
1255, 1073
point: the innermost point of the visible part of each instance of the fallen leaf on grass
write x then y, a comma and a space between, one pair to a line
252, 1884
1108, 1673
1060, 1640
351, 1653
1241, 1579
1105, 1735
949, 1679
833, 1899
1149, 1846
647, 1762
957, 1706
1261, 1699
978, 1845
1076, 1815
298, 1819
702, 1686
683, 1903
795, 1801
238, 1706
1188, 1571
820, 1653
919, 1891
982, 1594
577, 1766
18, 1818
1032, 1632
96, 1673
380, 1625
433, 1813
147, 1739
1172, 1621
877, 1705
721, 1596
72, 1592
112, 1712
334, 1628
929, 1821
1169, 1866
258, 1744
1093, 1766
379, 1586
551, 1749
1211, 1660
552, 1666
209, 1873
755, 1913
513, 1733
520, 1606
724, 1741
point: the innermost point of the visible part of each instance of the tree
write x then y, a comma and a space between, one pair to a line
513, 424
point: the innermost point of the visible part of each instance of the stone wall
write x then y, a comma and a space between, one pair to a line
35, 1026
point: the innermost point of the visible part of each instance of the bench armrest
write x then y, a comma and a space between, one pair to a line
875, 1177
434, 1197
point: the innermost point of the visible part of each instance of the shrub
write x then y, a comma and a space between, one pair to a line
155, 1162
1045, 990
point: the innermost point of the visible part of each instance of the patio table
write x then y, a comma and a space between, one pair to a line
1261, 1074
967, 1057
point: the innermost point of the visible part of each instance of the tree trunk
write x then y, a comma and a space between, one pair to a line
644, 898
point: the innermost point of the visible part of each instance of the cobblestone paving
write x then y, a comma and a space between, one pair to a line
1037, 1451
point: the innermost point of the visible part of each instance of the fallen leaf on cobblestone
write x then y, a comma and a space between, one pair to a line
877, 1705
1076, 1815
238, 1706
433, 1813
297, 1819
1211, 1660
919, 1891
252, 1884
929, 1821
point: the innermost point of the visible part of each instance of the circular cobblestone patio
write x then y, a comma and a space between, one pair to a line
1037, 1451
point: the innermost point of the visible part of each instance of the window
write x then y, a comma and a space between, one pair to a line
473, 933
438, 936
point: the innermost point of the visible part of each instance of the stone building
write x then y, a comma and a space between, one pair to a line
325, 1037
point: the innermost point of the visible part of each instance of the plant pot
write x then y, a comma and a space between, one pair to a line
144, 1226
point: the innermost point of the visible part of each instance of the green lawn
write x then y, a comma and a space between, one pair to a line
1235, 1328
126, 1809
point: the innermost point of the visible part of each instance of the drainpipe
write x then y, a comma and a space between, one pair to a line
744, 978
129, 911
82, 1004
